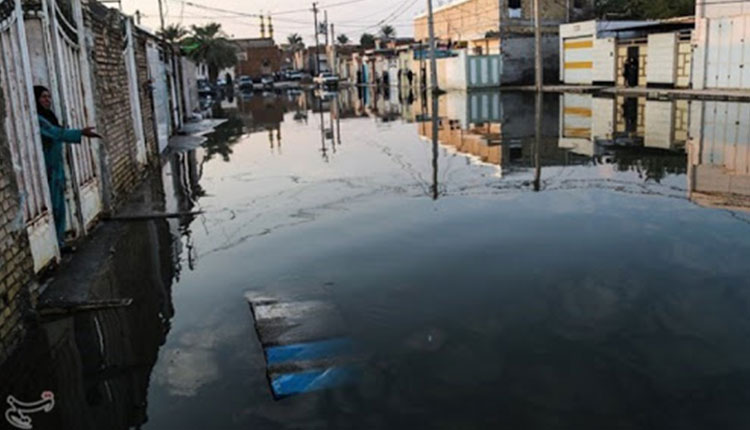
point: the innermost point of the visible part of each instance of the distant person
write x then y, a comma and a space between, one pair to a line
410, 77
53, 137
630, 73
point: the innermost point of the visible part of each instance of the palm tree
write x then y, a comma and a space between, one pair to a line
295, 41
208, 44
173, 33
343, 39
387, 31
367, 40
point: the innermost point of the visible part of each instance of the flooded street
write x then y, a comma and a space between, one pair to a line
596, 277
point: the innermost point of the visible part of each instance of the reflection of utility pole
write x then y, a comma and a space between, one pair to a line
434, 146
433, 62
538, 45
323, 148
338, 123
538, 141
317, 41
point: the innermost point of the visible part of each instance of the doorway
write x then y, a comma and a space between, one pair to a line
632, 66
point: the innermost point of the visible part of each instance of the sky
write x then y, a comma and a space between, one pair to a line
350, 17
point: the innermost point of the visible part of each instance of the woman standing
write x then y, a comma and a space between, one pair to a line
53, 137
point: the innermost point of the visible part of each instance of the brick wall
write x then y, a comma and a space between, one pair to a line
113, 111
147, 102
16, 264
260, 61
470, 20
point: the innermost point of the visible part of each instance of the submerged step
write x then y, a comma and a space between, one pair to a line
305, 344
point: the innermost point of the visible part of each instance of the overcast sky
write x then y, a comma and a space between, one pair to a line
351, 17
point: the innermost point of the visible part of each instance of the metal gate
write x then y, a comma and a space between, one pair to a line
727, 53
23, 135
70, 72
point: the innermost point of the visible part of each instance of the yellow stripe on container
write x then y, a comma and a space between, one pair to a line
577, 132
579, 44
578, 111
579, 65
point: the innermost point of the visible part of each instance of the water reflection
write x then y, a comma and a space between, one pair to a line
98, 363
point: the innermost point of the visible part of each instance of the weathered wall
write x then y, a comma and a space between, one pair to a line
260, 61
147, 102
518, 60
113, 109
472, 19
16, 264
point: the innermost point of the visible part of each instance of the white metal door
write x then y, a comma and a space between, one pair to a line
71, 71
135, 100
604, 60
661, 67
577, 60
161, 97
24, 137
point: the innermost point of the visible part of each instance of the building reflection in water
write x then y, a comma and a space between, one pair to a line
719, 154
706, 141
98, 363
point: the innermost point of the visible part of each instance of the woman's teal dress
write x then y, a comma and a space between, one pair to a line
53, 138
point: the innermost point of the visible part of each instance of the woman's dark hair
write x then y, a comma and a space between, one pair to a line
41, 110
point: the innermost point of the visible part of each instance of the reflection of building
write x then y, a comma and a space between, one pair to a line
98, 363
719, 154
497, 128
588, 121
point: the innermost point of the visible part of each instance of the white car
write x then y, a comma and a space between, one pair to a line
326, 79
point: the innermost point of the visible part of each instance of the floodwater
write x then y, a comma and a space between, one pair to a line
591, 272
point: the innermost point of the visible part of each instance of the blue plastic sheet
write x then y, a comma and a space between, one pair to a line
290, 384
309, 351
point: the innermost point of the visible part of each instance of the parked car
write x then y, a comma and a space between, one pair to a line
245, 83
327, 79
267, 82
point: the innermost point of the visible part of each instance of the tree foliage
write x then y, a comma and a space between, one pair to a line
367, 40
173, 33
387, 31
295, 41
343, 39
643, 9
208, 44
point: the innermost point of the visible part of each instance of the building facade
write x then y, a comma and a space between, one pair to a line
722, 44
257, 57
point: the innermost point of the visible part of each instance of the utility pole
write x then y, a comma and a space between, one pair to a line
325, 17
161, 16
433, 62
334, 66
317, 42
500, 23
538, 46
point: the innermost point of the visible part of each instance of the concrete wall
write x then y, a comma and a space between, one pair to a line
518, 59
16, 263
472, 19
